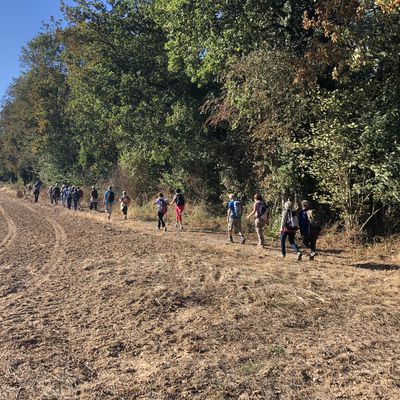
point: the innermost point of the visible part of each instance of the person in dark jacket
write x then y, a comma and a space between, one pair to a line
309, 233
289, 225
75, 197
94, 198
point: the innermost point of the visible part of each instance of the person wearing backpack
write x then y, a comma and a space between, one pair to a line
310, 227
56, 193
179, 200
125, 201
36, 189
234, 218
289, 226
261, 213
162, 208
68, 196
94, 198
75, 197
109, 198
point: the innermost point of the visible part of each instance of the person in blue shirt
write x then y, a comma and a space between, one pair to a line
234, 218
109, 198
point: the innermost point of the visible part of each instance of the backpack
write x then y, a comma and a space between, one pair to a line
180, 200
111, 196
314, 218
263, 211
237, 206
293, 221
163, 206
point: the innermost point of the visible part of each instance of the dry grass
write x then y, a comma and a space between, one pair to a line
117, 310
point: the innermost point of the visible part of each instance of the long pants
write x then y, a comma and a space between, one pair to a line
76, 204
125, 211
36, 196
260, 224
161, 222
93, 205
310, 240
290, 236
69, 203
109, 207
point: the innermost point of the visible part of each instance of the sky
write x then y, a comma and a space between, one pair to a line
20, 21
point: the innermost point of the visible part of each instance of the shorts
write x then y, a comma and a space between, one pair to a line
235, 225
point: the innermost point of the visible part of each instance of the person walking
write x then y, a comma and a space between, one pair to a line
68, 196
261, 213
234, 218
36, 190
80, 198
75, 197
94, 198
162, 208
289, 225
50, 194
310, 227
63, 194
56, 194
179, 200
125, 201
109, 197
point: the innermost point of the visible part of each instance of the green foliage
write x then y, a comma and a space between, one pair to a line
289, 98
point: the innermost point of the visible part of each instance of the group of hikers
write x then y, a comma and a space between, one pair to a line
306, 221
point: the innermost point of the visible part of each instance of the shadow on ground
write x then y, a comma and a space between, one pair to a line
378, 267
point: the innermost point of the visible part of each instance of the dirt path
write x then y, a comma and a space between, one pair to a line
97, 310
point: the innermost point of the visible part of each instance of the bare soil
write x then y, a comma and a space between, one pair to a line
92, 309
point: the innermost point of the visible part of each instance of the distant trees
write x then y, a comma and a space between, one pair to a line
287, 97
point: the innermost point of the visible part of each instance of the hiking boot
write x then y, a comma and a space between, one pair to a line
242, 240
176, 226
312, 255
299, 255
229, 240
165, 229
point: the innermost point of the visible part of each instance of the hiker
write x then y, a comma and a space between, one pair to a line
56, 194
162, 208
63, 196
50, 194
109, 197
75, 197
310, 227
68, 196
94, 198
125, 201
234, 218
261, 213
80, 197
36, 189
179, 201
289, 225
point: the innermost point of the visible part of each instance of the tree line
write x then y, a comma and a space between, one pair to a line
282, 97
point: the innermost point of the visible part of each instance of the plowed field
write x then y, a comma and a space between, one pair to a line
96, 309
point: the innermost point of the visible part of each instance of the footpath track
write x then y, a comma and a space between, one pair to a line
91, 309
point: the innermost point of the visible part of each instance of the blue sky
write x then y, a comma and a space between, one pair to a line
20, 21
